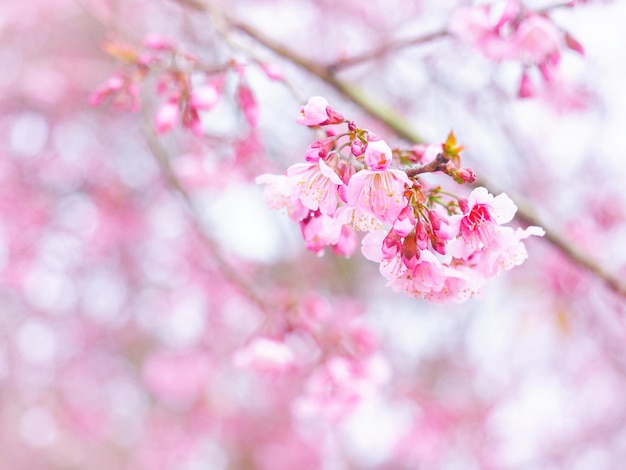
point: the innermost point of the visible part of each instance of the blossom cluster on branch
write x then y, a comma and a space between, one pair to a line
511, 31
187, 86
430, 243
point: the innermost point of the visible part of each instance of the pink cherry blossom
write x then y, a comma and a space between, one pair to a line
316, 185
320, 231
359, 219
340, 385
380, 193
121, 90
506, 251
281, 194
536, 40
426, 276
477, 227
461, 283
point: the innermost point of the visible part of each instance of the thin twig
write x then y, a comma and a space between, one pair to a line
438, 164
385, 49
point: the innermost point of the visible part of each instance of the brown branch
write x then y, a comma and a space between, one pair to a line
383, 114
438, 164
162, 159
385, 49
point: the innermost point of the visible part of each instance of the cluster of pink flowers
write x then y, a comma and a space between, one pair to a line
188, 88
330, 350
429, 243
510, 31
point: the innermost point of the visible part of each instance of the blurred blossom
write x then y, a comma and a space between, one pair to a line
156, 314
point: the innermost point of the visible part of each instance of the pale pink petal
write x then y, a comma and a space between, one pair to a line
379, 192
371, 246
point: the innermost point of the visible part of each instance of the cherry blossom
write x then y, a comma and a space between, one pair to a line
379, 189
316, 185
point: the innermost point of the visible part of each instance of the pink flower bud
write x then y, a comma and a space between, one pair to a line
334, 117
573, 44
357, 147
526, 87
421, 235
405, 223
464, 205
466, 175
377, 155
314, 112
410, 252
345, 173
248, 104
392, 243
438, 244
191, 120
320, 149
435, 220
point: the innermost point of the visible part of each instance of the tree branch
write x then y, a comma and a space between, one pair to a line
162, 159
382, 51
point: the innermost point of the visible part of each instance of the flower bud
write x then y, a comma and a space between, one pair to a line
334, 117
357, 147
410, 251
391, 244
378, 155
405, 223
526, 87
